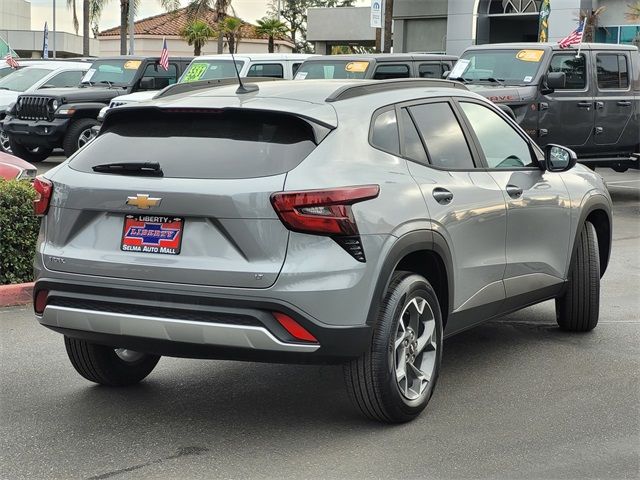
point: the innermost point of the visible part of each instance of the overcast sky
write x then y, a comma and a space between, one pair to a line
42, 10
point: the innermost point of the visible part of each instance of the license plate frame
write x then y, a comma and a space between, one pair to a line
160, 234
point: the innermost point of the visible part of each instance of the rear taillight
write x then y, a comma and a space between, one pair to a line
44, 189
325, 212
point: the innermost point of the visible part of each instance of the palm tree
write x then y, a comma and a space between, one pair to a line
232, 29
633, 14
591, 17
197, 9
197, 33
272, 28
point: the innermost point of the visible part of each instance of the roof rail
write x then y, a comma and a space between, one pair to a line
377, 86
178, 88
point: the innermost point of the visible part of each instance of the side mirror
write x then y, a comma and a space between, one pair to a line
555, 80
558, 158
446, 74
148, 83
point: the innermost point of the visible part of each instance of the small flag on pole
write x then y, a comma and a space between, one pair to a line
45, 42
164, 55
543, 28
11, 61
574, 37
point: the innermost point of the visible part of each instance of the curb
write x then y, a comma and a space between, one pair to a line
16, 294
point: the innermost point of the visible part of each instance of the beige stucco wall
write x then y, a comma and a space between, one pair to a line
15, 15
151, 46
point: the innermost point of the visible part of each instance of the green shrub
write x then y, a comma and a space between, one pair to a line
18, 231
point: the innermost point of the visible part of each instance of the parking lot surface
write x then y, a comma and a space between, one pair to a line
517, 398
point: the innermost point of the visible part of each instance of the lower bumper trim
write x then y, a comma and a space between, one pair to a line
175, 330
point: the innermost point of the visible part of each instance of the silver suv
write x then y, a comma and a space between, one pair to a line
348, 221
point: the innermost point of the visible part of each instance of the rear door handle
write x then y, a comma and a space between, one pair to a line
514, 191
442, 195
624, 103
586, 105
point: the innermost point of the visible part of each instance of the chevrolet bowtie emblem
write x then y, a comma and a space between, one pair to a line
143, 201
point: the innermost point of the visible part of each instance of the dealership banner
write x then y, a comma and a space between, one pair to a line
543, 29
376, 13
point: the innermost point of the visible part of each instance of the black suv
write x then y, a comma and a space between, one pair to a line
63, 117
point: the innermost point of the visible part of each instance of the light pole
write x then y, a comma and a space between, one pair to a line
132, 33
54, 28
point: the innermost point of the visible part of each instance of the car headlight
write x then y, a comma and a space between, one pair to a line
54, 105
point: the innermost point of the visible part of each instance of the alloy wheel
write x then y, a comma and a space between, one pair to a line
415, 348
86, 136
127, 355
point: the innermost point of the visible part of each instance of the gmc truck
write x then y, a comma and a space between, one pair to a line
586, 98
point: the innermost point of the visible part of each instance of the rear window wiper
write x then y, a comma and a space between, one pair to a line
150, 169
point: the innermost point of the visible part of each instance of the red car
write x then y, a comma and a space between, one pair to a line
12, 168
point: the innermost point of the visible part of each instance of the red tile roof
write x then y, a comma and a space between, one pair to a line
172, 23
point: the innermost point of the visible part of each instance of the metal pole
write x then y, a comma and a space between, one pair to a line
54, 28
131, 29
279, 8
382, 31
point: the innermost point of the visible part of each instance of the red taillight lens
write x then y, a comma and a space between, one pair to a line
294, 328
323, 212
40, 301
44, 189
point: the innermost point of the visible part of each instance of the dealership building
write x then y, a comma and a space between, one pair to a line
453, 25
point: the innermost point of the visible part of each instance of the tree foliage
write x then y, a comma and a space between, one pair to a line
294, 14
272, 28
197, 33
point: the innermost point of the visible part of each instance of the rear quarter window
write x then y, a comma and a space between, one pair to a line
226, 144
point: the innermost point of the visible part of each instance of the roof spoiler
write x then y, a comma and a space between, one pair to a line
178, 88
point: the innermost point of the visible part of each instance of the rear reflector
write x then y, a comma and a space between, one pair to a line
44, 189
40, 301
294, 328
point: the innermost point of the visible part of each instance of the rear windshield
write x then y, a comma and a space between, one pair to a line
227, 144
328, 69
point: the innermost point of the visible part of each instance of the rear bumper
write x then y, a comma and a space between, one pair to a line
193, 326
37, 133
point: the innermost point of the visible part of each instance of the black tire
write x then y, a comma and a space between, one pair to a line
31, 155
578, 309
101, 364
70, 142
371, 379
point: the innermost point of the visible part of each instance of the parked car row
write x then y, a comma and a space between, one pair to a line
591, 102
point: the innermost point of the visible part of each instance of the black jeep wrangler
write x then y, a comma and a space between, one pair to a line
63, 117
587, 100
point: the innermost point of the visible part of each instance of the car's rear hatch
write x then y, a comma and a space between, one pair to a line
210, 208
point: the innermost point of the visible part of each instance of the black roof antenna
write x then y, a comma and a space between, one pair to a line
242, 88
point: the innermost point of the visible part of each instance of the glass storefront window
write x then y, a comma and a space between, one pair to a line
618, 34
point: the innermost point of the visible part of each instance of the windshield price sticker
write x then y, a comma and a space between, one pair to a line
195, 72
301, 75
530, 55
459, 68
132, 64
87, 76
356, 67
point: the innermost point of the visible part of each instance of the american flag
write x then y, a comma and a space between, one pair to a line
11, 61
164, 55
574, 37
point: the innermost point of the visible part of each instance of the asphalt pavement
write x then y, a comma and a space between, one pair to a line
516, 399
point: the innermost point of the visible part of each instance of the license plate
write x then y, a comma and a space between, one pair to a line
152, 234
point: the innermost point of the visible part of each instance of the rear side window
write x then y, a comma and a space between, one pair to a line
273, 70
384, 72
228, 144
443, 136
163, 78
613, 71
573, 68
430, 70
384, 134
411, 143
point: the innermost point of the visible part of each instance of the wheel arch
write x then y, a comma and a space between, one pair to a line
597, 211
426, 253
